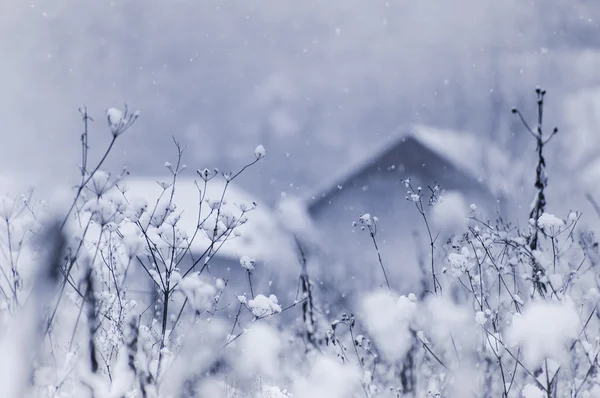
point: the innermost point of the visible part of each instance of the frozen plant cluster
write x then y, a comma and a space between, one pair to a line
113, 297
129, 284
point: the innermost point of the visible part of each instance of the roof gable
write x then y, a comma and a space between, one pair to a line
452, 159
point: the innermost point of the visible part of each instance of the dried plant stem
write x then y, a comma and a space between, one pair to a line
308, 310
540, 184
372, 234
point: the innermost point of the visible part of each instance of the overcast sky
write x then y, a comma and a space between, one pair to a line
314, 81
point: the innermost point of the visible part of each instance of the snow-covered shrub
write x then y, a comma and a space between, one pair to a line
116, 296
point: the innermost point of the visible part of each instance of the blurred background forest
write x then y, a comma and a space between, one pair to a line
316, 82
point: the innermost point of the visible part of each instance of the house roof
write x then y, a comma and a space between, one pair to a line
261, 237
464, 152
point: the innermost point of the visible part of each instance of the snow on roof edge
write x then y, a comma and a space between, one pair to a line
345, 174
427, 135
258, 233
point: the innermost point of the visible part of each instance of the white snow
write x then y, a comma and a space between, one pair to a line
543, 330
442, 319
550, 223
366, 219
422, 338
115, 116
220, 284
258, 353
449, 214
198, 291
133, 242
276, 392
99, 183
460, 262
573, 216
388, 321
480, 318
115, 120
262, 305
247, 263
328, 379
531, 391
260, 152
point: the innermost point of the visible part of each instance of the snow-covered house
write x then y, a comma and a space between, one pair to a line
463, 167
260, 238
255, 234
